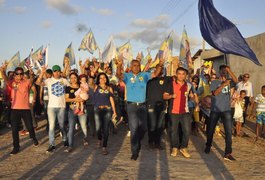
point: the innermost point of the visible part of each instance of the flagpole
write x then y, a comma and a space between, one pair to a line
171, 68
47, 54
225, 59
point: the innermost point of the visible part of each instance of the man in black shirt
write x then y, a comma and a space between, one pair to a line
156, 108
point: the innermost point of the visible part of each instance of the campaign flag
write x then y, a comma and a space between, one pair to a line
42, 61
184, 52
126, 51
166, 48
156, 60
88, 43
109, 51
165, 51
69, 55
221, 33
13, 62
35, 58
146, 58
26, 63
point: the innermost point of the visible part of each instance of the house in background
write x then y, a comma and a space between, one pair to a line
238, 64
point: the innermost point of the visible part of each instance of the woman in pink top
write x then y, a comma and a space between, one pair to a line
20, 105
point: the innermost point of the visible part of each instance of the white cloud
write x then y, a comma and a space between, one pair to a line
103, 12
152, 38
152, 32
63, 6
19, 9
161, 22
2, 3
46, 24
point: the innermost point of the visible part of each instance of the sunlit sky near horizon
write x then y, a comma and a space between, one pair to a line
32, 23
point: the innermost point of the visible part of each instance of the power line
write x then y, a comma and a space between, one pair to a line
183, 13
175, 5
169, 3
170, 6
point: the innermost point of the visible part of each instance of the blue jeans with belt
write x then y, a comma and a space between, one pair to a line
102, 120
137, 116
72, 121
227, 122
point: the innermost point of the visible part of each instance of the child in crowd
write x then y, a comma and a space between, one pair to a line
259, 105
82, 93
239, 109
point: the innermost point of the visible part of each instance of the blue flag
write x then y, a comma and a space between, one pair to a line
69, 55
221, 33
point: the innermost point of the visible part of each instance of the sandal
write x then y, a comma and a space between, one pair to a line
104, 151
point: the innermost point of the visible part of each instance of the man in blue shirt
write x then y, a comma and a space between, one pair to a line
136, 82
220, 108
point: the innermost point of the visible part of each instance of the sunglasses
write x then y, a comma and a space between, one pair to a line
19, 74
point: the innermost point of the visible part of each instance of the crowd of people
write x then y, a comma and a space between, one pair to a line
97, 100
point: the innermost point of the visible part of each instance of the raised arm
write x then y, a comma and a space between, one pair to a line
31, 76
81, 66
232, 75
3, 72
119, 63
159, 68
40, 78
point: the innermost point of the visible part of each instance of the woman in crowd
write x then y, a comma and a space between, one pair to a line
104, 106
71, 99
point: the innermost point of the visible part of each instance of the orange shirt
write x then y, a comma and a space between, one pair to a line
180, 103
20, 94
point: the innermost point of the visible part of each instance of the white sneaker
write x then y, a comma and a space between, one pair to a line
76, 126
129, 134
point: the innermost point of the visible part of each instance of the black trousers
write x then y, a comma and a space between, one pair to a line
15, 117
91, 118
156, 122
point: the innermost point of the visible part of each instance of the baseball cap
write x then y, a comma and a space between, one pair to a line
56, 68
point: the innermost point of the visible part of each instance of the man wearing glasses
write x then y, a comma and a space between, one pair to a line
246, 85
20, 105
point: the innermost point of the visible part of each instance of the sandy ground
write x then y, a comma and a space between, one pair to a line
88, 163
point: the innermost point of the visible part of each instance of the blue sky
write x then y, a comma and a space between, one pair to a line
146, 23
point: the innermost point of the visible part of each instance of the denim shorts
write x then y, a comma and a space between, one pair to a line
260, 117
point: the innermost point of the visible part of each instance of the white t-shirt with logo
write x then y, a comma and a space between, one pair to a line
56, 92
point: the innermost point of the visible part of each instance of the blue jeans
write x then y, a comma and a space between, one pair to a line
227, 122
185, 121
71, 123
53, 114
137, 116
102, 120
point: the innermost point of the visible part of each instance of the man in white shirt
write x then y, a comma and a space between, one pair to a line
56, 105
246, 85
